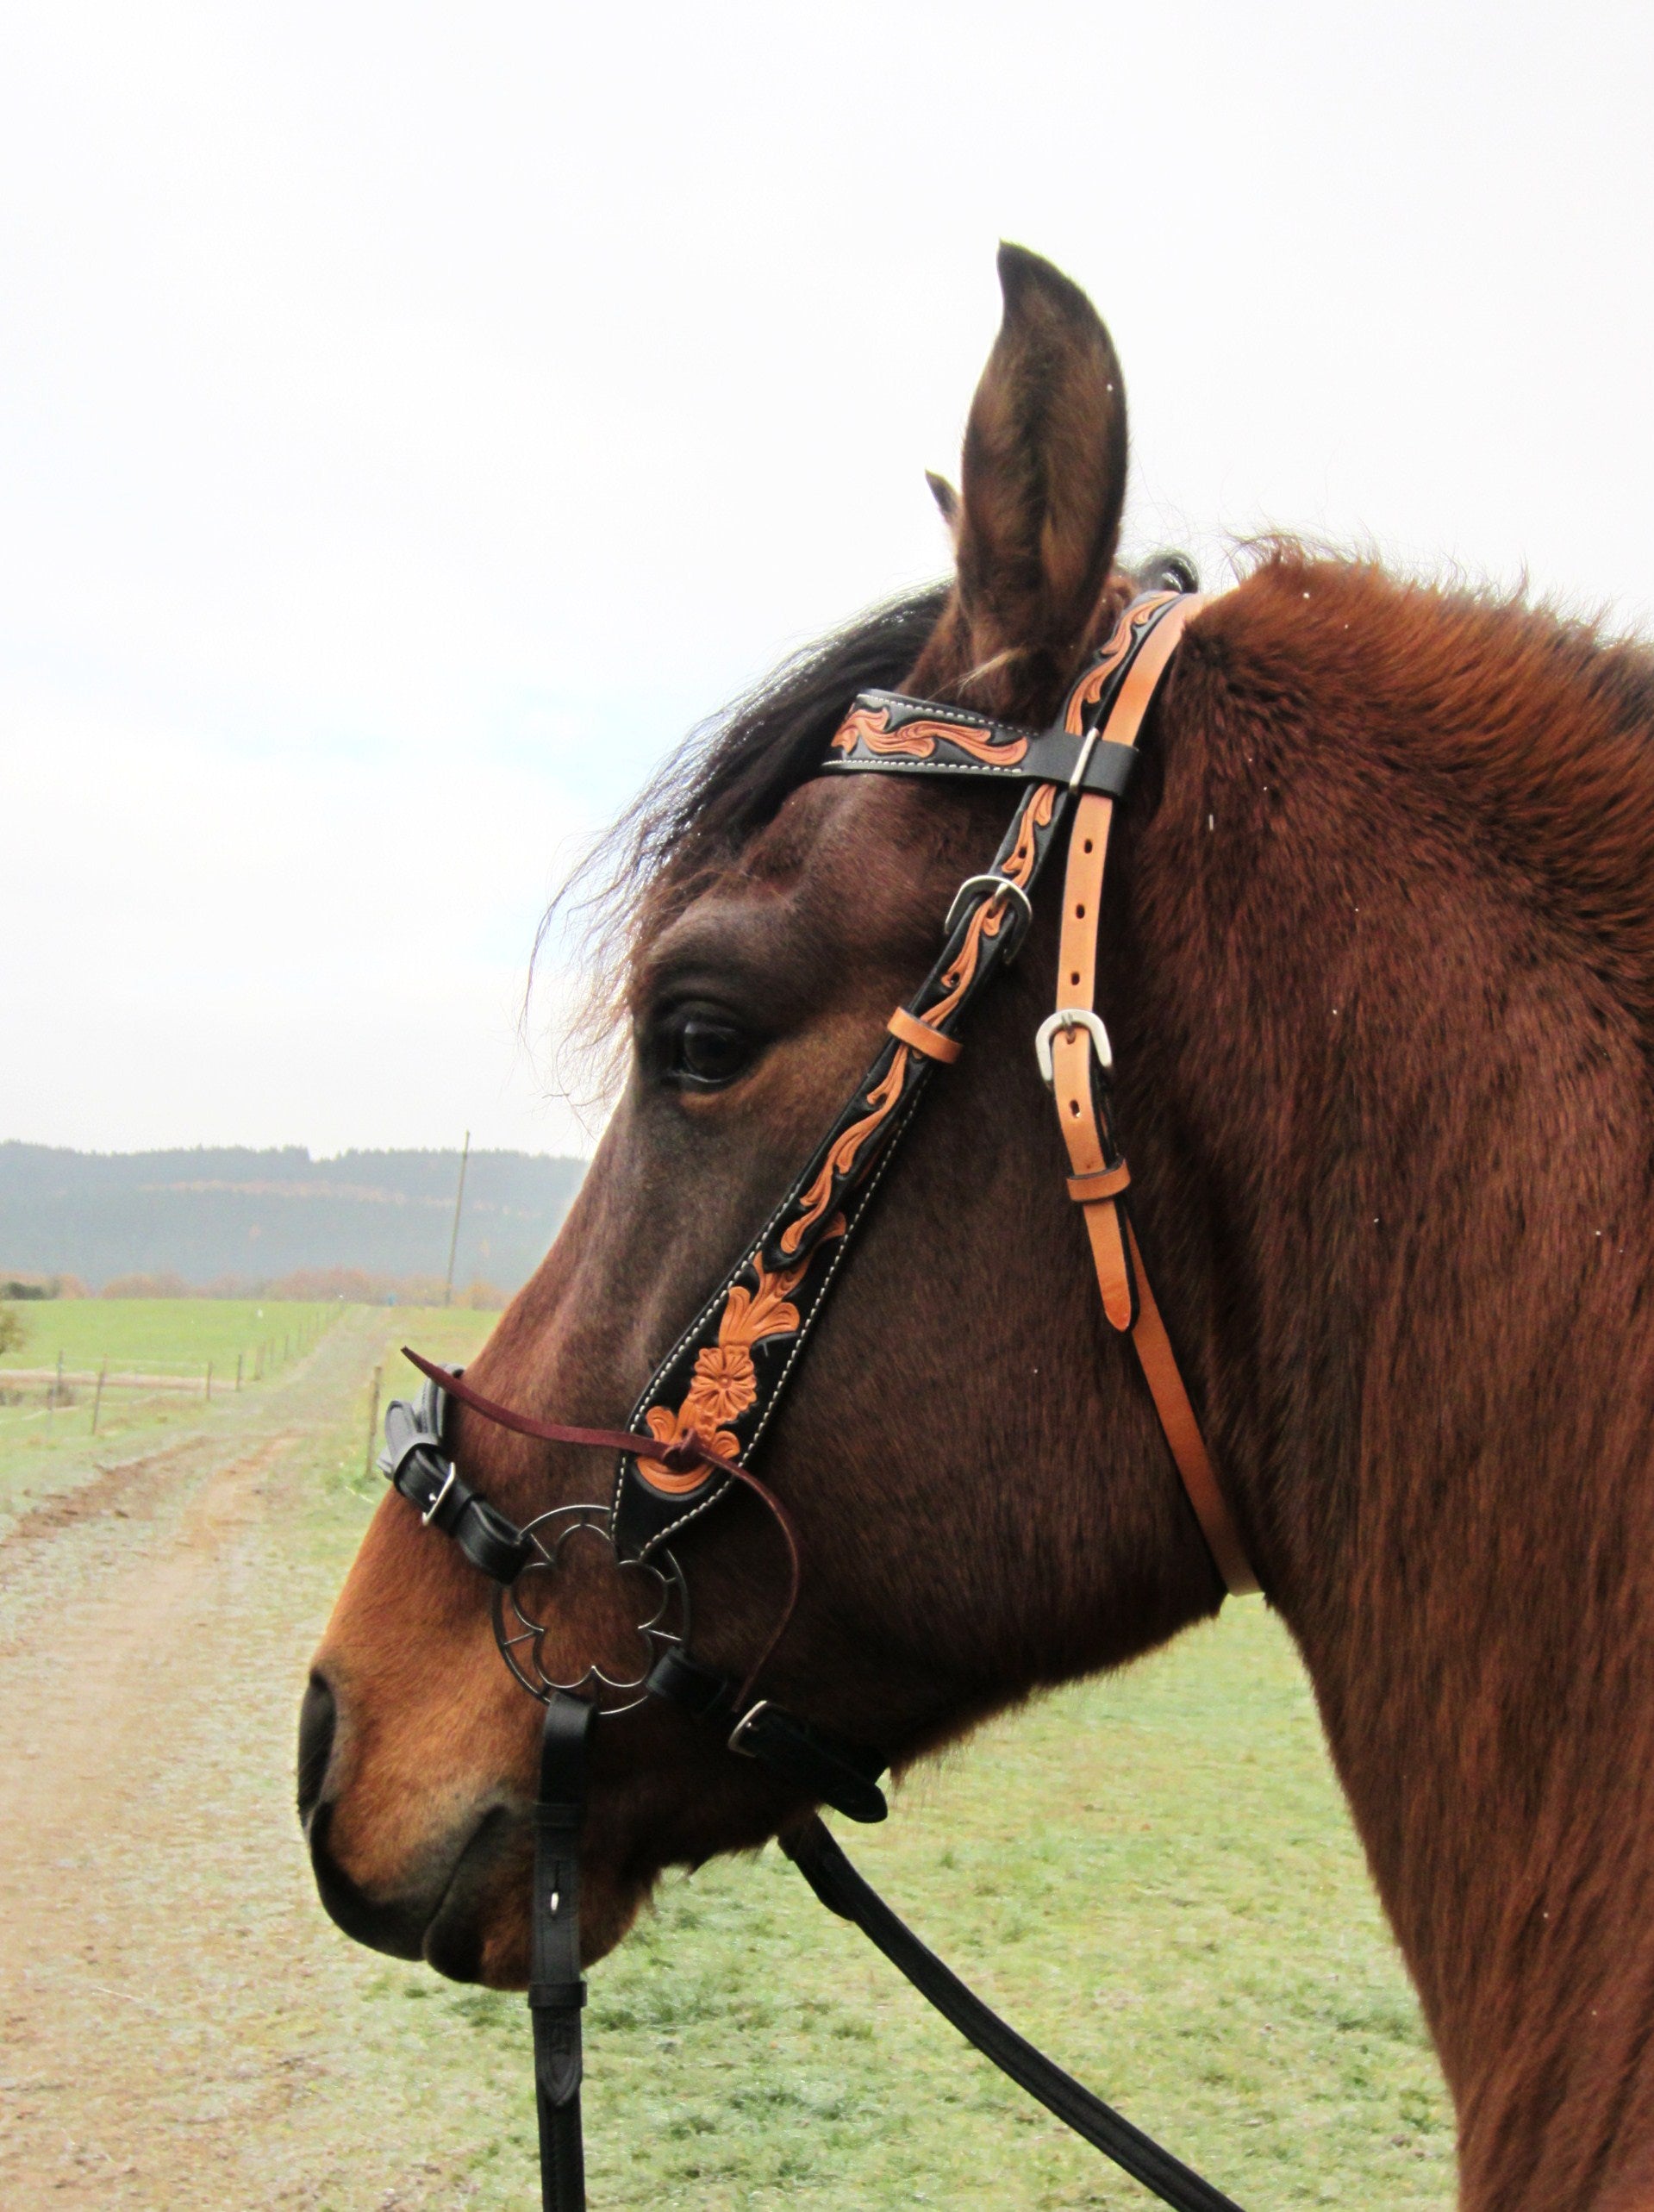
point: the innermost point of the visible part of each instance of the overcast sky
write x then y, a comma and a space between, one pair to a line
412, 418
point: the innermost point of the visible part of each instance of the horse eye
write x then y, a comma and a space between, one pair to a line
704, 1054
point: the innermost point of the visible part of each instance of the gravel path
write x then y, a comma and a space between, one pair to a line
178, 2020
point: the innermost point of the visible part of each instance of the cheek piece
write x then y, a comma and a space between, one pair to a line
693, 1431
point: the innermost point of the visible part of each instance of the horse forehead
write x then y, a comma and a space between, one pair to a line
875, 834
846, 862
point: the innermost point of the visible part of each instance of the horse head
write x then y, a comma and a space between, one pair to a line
977, 1479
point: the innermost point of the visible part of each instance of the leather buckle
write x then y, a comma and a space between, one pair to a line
990, 886
435, 1505
744, 1724
1068, 1019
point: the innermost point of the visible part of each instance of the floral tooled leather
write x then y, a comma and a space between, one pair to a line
883, 1097
1124, 636
917, 740
726, 1381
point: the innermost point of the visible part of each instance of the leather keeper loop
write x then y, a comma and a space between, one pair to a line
558, 1996
908, 1029
1107, 1183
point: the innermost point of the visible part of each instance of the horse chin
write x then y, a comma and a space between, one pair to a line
499, 1955
480, 1932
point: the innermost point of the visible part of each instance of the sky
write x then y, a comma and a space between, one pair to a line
414, 418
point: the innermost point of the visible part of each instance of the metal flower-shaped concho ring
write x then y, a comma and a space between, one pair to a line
535, 1623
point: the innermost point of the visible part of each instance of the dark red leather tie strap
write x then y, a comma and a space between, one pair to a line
683, 1457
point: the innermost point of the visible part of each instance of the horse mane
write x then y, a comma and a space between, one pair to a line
714, 792
1522, 728
731, 776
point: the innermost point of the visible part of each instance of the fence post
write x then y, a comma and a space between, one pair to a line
238, 1372
373, 1420
98, 1395
209, 1380
57, 1394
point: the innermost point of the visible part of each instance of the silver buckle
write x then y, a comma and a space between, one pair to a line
1068, 1019
744, 1724
429, 1514
989, 884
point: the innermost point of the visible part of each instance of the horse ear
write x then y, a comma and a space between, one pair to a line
1043, 485
947, 500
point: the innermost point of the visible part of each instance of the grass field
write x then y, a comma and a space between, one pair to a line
1152, 1875
1153, 1878
43, 1442
160, 1335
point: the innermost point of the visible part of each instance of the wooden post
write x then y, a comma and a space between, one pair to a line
57, 1394
98, 1395
373, 1419
238, 1373
453, 1241
210, 1381
259, 1364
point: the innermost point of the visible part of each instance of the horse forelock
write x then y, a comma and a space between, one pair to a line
714, 793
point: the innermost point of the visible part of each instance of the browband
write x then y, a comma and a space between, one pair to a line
896, 735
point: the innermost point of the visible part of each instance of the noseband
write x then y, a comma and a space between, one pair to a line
712, 1398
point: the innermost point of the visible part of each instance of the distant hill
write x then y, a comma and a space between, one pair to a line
247, 1217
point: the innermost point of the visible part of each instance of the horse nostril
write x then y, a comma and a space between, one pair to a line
318, 1717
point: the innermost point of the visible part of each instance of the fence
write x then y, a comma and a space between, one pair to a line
201, 1379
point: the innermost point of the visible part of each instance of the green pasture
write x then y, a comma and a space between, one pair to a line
1153, 1876
48, 1442
161, 1336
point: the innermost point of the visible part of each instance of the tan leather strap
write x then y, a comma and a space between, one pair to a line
1098, 1183
923, 1039
1108, 1184
1182, 1431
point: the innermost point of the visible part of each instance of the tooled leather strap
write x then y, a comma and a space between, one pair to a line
1078, 1044
723, 1379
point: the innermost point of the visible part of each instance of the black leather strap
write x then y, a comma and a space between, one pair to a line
872, 735
842, 1890
415, 1461
556, 1991
833, 1771
843, 1775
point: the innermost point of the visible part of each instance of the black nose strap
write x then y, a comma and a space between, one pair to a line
415, 1461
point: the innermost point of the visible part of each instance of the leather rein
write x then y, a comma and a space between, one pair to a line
708, 1404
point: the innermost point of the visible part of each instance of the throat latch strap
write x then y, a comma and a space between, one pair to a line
1076, 1058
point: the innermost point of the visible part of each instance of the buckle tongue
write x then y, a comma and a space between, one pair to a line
1068, 1019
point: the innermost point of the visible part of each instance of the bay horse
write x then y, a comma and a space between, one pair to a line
1379, 971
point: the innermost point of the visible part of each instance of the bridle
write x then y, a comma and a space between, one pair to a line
711, 1400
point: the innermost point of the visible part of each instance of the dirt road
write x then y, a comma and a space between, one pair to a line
179, 2024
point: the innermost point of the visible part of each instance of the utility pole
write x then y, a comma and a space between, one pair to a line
453, 1241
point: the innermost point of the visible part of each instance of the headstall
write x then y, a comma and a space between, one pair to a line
706, 1409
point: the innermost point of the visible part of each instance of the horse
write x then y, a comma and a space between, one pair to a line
1379, 973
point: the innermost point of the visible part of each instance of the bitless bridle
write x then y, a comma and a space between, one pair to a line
711, 1400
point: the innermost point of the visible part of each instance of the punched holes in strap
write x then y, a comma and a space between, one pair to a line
910, 1030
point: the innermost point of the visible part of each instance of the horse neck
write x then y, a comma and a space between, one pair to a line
1392, 1146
